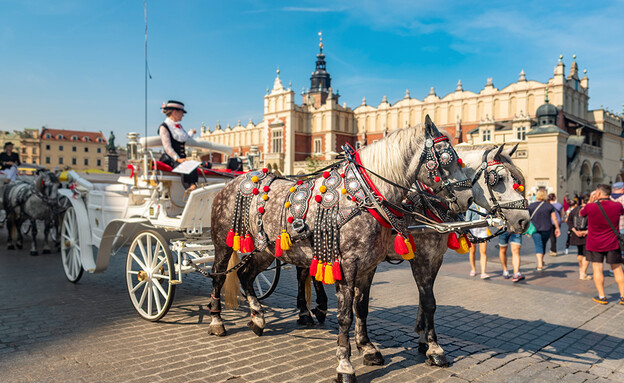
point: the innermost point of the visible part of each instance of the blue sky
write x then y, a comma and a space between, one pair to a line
76, 64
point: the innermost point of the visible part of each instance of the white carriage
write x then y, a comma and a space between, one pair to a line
165, 229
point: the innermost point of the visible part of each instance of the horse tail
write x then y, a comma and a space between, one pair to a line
308, 291
232, 284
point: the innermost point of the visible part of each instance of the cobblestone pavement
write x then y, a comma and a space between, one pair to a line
543, 329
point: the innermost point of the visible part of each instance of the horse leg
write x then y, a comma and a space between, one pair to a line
222, 257
10, 225
372, 356
46, 236
305, 316
19, 243
425, 269
33, 230
247, 277
320, 311
344, 295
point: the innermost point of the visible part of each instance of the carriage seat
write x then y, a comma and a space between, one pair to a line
207, 172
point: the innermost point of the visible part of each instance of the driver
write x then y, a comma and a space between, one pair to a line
9, 162
173, 137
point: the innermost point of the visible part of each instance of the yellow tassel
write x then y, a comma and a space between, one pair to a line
487, 230
319, 272
236, 246
520, 188
463, 246
329, 275
410, 251
285, 242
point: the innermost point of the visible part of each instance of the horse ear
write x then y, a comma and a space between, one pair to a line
513, 150
499, 151
430, 127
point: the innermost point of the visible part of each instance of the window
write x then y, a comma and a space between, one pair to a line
47, 160
99, 150
48, 135
61, 148
34, 150
86, 150
34, 161
99, 139
276, 141
85, 138
73, 148
73, 160
86, 161
23, 150
317, 146
47, 147
74, 138
99, 162
486, 134
60, 137
60, 160
521, 133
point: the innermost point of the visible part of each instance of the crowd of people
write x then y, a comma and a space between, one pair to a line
595, 224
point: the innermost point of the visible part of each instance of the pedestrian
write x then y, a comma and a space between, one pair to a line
482, 232
9, 161
552, 198
602, 244
578, 236
618, 196
516, 243
573, 204
173, 137
543, 218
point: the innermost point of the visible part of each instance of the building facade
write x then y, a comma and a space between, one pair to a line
72, 149
563, 146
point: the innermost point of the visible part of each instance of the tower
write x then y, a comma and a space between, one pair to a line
320, 81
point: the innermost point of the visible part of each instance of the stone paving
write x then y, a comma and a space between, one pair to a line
543, 329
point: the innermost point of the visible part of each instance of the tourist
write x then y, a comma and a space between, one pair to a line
543, 217
173, 137
516, 243
578, 236
9, 162
481, 232
603, 216
618, 196
552, 198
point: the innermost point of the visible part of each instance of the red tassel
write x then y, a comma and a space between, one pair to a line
313, 267
336, 271
467, 240
278, 247
399, 245
411, 241
452, 242
249, 243
229, 241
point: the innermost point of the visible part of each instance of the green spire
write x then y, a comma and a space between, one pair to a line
546, 97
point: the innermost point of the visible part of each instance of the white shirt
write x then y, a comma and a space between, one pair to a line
178, 133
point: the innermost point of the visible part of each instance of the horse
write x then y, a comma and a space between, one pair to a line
344, 244
31, 201
497, 187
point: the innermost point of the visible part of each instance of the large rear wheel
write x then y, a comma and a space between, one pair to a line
149, 271
70, 246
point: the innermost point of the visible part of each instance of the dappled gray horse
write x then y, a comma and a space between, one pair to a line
497, 187
343, 243
31, 201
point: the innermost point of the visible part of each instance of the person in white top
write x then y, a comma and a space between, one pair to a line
173, 137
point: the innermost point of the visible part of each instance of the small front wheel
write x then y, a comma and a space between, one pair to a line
149, 271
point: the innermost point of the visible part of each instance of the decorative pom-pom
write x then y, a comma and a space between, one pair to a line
292, 189
255, 191
313, 267
354, 199
287, 204
237, 243
400, 246
266, 188
299, 182
285, 241
318, 198
521, 188
290, 219
323, 189
336, 271
343, 191
463, 245
254, 179
229, 240
516, 186
342, 175
249, 243
265, 170
325, 174
328, 277
463, 165
410, 251
278, 247
460, 161
265, 197
437, 179
319, 272
452, 242
261, 210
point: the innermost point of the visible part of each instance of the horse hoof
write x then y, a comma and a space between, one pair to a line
255, 328
319, 314
34, 253
305, 320
423, 347
46, 251
217, 330
374, 359
437, 360
10, 247
345, 378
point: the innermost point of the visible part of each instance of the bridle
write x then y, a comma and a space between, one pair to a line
491, 178
433, 159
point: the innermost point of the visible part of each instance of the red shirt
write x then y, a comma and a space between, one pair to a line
600, 237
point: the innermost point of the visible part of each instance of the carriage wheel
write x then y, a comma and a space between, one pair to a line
70, 246
149, 269
266, 281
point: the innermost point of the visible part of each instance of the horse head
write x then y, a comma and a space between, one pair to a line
498, 184
46, 185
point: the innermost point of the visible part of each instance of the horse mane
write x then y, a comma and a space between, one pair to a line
391, 156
